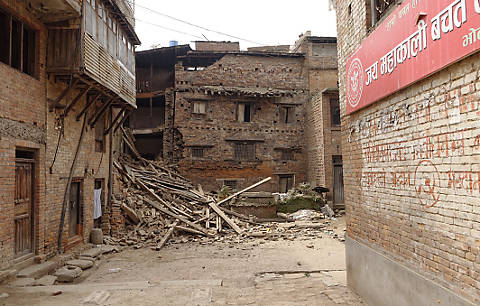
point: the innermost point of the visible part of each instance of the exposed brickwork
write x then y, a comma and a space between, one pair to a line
217, 46
218, 129
426, 134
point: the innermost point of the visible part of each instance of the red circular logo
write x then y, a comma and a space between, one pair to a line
355, 82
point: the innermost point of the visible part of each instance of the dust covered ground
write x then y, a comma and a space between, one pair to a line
303, 268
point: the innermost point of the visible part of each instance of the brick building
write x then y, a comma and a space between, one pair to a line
68, 71
409, 95
231, 117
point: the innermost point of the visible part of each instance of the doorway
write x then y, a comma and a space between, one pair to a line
285, 183
23, 203
75, 209
338, 188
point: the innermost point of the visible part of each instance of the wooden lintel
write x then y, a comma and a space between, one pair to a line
92, 101
114, 121
77, 98
56, 102
152, 94
100, 113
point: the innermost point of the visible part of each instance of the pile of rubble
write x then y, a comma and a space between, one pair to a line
159, 203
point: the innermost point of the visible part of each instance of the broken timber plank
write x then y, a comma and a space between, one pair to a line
224, 217
171, 214
132, 215
167, 236
244, 190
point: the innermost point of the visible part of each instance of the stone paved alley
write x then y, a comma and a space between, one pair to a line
305, 271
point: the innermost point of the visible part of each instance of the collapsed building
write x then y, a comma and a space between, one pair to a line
68, 71
408, 73
230, 118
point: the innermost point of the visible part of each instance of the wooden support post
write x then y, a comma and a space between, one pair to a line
114, 121
100, 113
244, 190
77, 98
55, 103
92, 101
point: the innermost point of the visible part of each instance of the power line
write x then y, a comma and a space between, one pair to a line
194, 25
169, 29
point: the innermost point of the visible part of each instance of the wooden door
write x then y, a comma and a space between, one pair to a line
285, 183
23, 207
338, 184
74, 209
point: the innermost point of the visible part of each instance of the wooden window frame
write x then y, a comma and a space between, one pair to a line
195, 152
242, 115
232, 184
100, 144
26, 58
244, 151
287, 114
287, 154
199, 112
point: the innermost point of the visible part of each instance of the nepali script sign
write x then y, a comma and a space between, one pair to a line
419, 38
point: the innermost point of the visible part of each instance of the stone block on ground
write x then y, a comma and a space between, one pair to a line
37, 271
81, 263
96, 236
109, 249
68, 274
47, 280
93, 252
23, 282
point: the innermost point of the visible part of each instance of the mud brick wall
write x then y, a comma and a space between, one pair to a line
22, 126
412, 167
218, 129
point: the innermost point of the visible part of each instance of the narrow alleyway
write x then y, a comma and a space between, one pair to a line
308, 270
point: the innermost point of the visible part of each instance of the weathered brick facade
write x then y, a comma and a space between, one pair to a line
412, 177
266, 84
30, 125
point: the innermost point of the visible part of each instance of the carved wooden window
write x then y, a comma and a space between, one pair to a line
244, 151
17, 44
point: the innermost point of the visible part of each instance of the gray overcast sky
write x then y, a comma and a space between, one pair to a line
264, 21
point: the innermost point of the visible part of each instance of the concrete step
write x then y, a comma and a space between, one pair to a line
38, 270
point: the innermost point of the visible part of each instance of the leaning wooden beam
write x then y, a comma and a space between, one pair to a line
100, 113
77, 98
171, 214
222, 215
87, 106
166, 237
69, 182
132, 215
54, 103
127, 114
114, 121
244, 190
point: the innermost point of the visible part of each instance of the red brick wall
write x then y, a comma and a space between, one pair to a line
426, 134
22, 126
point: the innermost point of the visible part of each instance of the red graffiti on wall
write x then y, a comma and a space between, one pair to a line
427, 182
464, 180
476, 145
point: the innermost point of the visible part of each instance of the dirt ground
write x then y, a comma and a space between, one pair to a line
307, 270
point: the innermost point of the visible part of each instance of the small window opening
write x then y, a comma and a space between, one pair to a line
199, 107
244, 151
244, 112
335, 112
198, 152
99, 134
287, 154
287, 114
